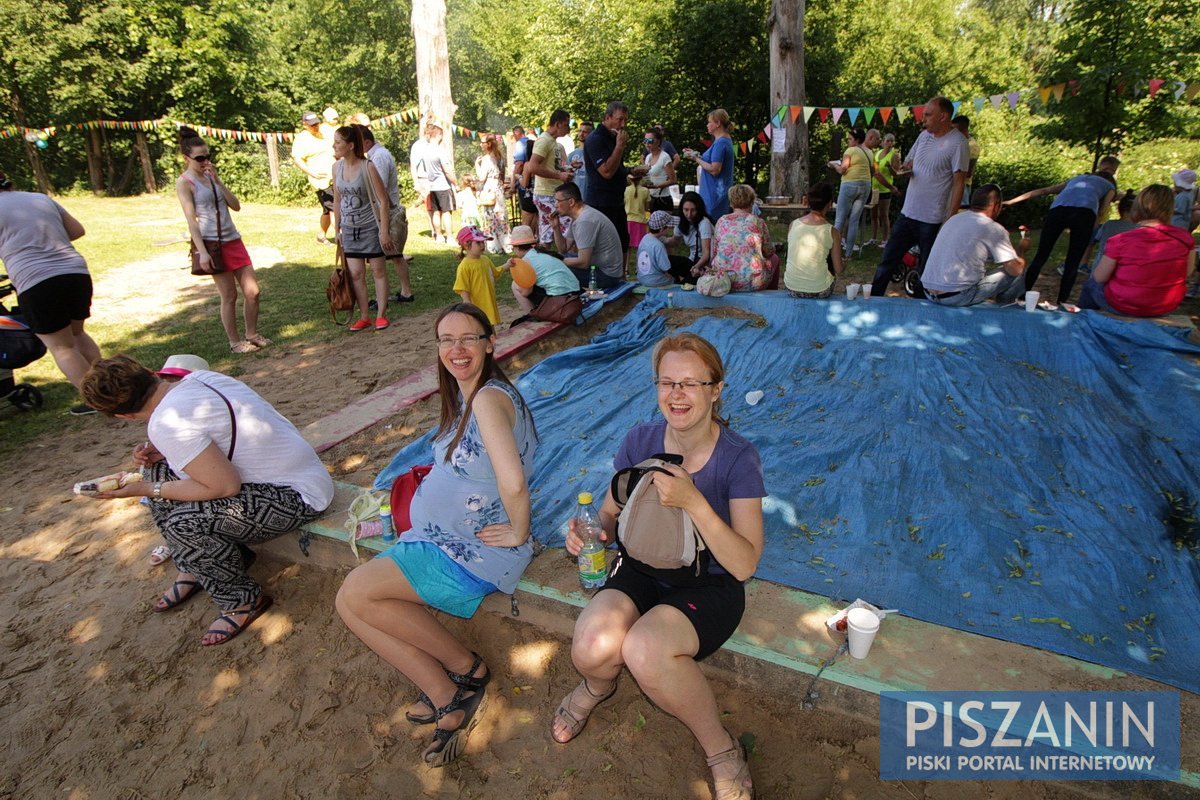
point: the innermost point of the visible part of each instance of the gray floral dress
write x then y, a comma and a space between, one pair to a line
458, 498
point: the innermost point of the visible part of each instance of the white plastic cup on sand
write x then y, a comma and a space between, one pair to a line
1031, 300
852, 290
753, 397
861, 627
866, 290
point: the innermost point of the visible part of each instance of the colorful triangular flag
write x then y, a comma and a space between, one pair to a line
1155, 85
886, 113
837, 114
1059, 88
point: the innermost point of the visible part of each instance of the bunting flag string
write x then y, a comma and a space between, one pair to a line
785, 114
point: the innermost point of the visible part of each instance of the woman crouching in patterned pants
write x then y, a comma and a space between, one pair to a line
223, 470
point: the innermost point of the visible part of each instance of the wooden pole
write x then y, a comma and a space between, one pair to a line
789, 169
273, 161
143, 152
95, 167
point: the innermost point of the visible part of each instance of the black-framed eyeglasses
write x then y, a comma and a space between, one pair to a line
201, 158
665, 385
469, 340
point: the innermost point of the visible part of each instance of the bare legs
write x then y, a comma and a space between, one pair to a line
358, 280
659, 649
381, 608
73, 350
402, 276
522, 297
228, 284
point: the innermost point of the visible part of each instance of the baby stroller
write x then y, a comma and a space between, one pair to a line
19, 347
906, 273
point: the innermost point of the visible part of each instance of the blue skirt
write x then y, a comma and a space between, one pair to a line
440, 581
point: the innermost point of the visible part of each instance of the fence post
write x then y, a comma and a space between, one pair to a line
273, 161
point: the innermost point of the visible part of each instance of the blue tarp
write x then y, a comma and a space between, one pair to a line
987, 469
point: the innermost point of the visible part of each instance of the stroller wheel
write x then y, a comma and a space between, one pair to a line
26, 397
912, 284
898, 274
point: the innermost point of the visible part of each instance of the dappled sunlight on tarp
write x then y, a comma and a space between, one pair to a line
990, 469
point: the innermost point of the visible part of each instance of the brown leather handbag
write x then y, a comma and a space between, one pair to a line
216, 259
339, 292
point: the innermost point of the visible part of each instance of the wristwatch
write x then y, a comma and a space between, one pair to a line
157, 490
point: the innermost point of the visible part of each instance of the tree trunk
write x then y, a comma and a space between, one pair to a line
433, 70
143, 154
31, 152
95, 162
789, 169
273, 161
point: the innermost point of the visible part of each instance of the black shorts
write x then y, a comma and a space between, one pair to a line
525, 201
536, 295
325, 198
715, 609
441, 200
885, 195
56, 302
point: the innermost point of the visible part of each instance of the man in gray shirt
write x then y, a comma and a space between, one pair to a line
593, 240
938, 162
956, 270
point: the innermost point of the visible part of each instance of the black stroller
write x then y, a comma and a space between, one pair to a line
19, 347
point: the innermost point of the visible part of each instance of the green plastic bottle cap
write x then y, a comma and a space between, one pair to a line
585, 498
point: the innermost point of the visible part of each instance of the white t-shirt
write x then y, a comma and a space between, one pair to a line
385, 165
34, 244
269, 449
653, 264
963, 248
934, 159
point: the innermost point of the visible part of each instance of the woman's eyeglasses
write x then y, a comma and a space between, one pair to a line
470, 340
665, 385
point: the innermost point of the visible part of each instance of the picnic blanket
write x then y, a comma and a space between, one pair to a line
997, 471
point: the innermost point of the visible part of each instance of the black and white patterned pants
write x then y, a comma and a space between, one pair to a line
208, 538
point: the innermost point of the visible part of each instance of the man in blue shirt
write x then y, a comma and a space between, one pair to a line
604, 154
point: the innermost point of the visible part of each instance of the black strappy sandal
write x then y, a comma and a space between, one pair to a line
467, 681
448, 744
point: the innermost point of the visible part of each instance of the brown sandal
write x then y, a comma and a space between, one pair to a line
243, 347
575, 716
740, 786
258, 340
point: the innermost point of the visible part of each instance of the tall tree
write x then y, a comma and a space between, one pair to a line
433, 68
1112, 51
789, 169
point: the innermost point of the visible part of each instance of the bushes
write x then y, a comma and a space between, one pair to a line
1153, 162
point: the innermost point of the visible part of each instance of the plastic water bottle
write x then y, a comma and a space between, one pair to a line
592, 290
389, 530
593, 564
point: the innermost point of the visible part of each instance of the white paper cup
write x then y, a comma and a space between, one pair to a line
852, 290
866, 290
861, 627
1031, 300
753, 397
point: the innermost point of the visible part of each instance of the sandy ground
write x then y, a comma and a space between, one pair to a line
101, 698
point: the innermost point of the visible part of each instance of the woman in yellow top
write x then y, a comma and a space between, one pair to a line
813, 248
887, 161
857, 167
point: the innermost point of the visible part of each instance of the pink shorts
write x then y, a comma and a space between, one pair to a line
235, 255
637, 230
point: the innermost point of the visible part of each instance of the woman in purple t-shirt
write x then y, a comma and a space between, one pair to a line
657, 628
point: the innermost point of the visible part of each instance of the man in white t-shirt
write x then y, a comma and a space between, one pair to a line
938, 162
385, 165
956, 270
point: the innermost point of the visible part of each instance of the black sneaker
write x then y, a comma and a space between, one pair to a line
82, 410
404, 298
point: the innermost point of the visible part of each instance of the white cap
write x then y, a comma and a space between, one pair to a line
182, 364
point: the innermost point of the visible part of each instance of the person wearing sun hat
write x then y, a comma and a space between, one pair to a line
654, 266
552, 278
312, 153
1185, 214
475, 279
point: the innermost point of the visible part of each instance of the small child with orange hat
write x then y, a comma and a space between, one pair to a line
475, 280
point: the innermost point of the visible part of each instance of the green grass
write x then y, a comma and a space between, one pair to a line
141, 230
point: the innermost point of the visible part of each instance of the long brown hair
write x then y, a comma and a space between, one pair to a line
454, 409
352, 136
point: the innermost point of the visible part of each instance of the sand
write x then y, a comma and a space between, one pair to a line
102, 698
